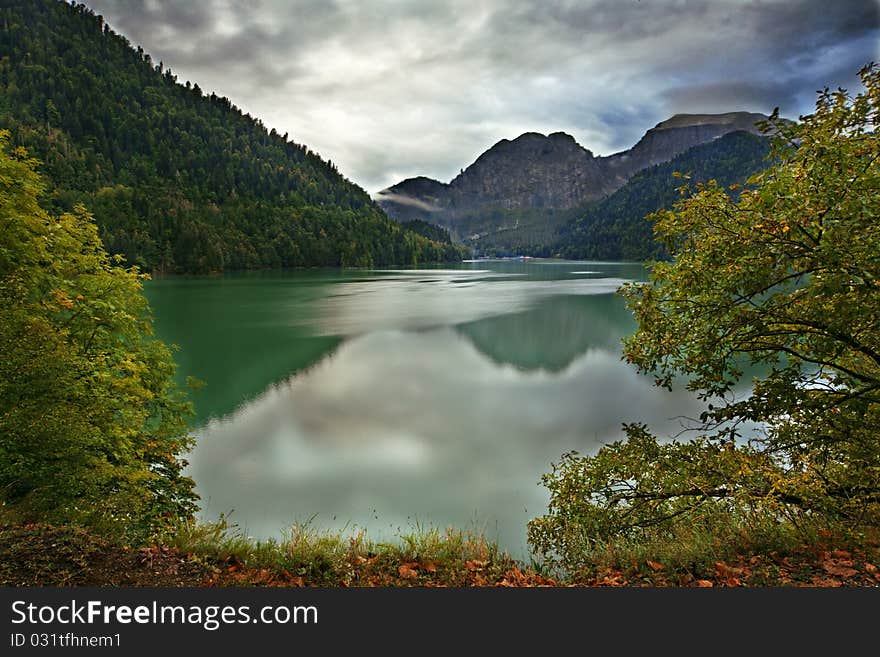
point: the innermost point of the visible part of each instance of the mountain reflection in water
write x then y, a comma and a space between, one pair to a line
392, 398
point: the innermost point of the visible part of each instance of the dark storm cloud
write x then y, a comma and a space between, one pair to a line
794, 50
389, 89
716, 96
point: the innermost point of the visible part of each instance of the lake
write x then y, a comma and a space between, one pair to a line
395, 399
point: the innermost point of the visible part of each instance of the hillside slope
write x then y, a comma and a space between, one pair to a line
616, 229
178, 180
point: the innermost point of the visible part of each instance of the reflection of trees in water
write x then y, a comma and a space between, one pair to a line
553, 333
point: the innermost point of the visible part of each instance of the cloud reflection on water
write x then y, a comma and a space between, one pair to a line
418, 426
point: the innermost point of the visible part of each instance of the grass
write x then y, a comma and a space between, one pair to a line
220, 554
718, 551
332, 558
697, 545
733, 551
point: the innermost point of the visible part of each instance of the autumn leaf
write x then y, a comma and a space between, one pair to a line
474, 564
704, 583
839, 568
826, 581
653, 565
514, 577
408, 570
293, 581
728, 573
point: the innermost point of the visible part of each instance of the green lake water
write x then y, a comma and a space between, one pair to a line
392, 399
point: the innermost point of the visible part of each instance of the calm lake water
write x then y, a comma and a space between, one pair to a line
393, 399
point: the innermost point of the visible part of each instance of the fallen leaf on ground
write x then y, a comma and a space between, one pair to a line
725, 571
839, 568
406, 571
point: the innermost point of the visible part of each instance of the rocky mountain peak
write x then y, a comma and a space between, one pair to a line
734, 120
677, 134
550, 172
529, 141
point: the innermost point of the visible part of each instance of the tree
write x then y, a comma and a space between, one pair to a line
91, 423
785, 281
206, 181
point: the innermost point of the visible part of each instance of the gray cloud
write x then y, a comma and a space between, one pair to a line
389, 89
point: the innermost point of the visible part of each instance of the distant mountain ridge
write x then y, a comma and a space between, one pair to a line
676, 135
515, 179
615, 227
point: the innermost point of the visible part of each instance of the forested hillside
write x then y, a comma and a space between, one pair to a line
178, 180
431, 231
615, 228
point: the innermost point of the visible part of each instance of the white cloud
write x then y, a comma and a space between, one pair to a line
390, 89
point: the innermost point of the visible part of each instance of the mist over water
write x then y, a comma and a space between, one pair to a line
387, 399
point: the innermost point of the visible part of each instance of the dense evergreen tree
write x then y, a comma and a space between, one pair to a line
431, 231
178, 181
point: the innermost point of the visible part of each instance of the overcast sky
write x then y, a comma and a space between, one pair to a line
389, 89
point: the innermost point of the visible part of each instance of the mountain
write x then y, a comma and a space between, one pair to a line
515, 194
431, 231
178, 180
532, 171
414, 198
615, 228
676, 135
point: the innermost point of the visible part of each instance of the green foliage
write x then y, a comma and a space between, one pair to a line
178, 181
91, 424
331, 558
784, 279
615, 227
425, 229
504, 232
637, 492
